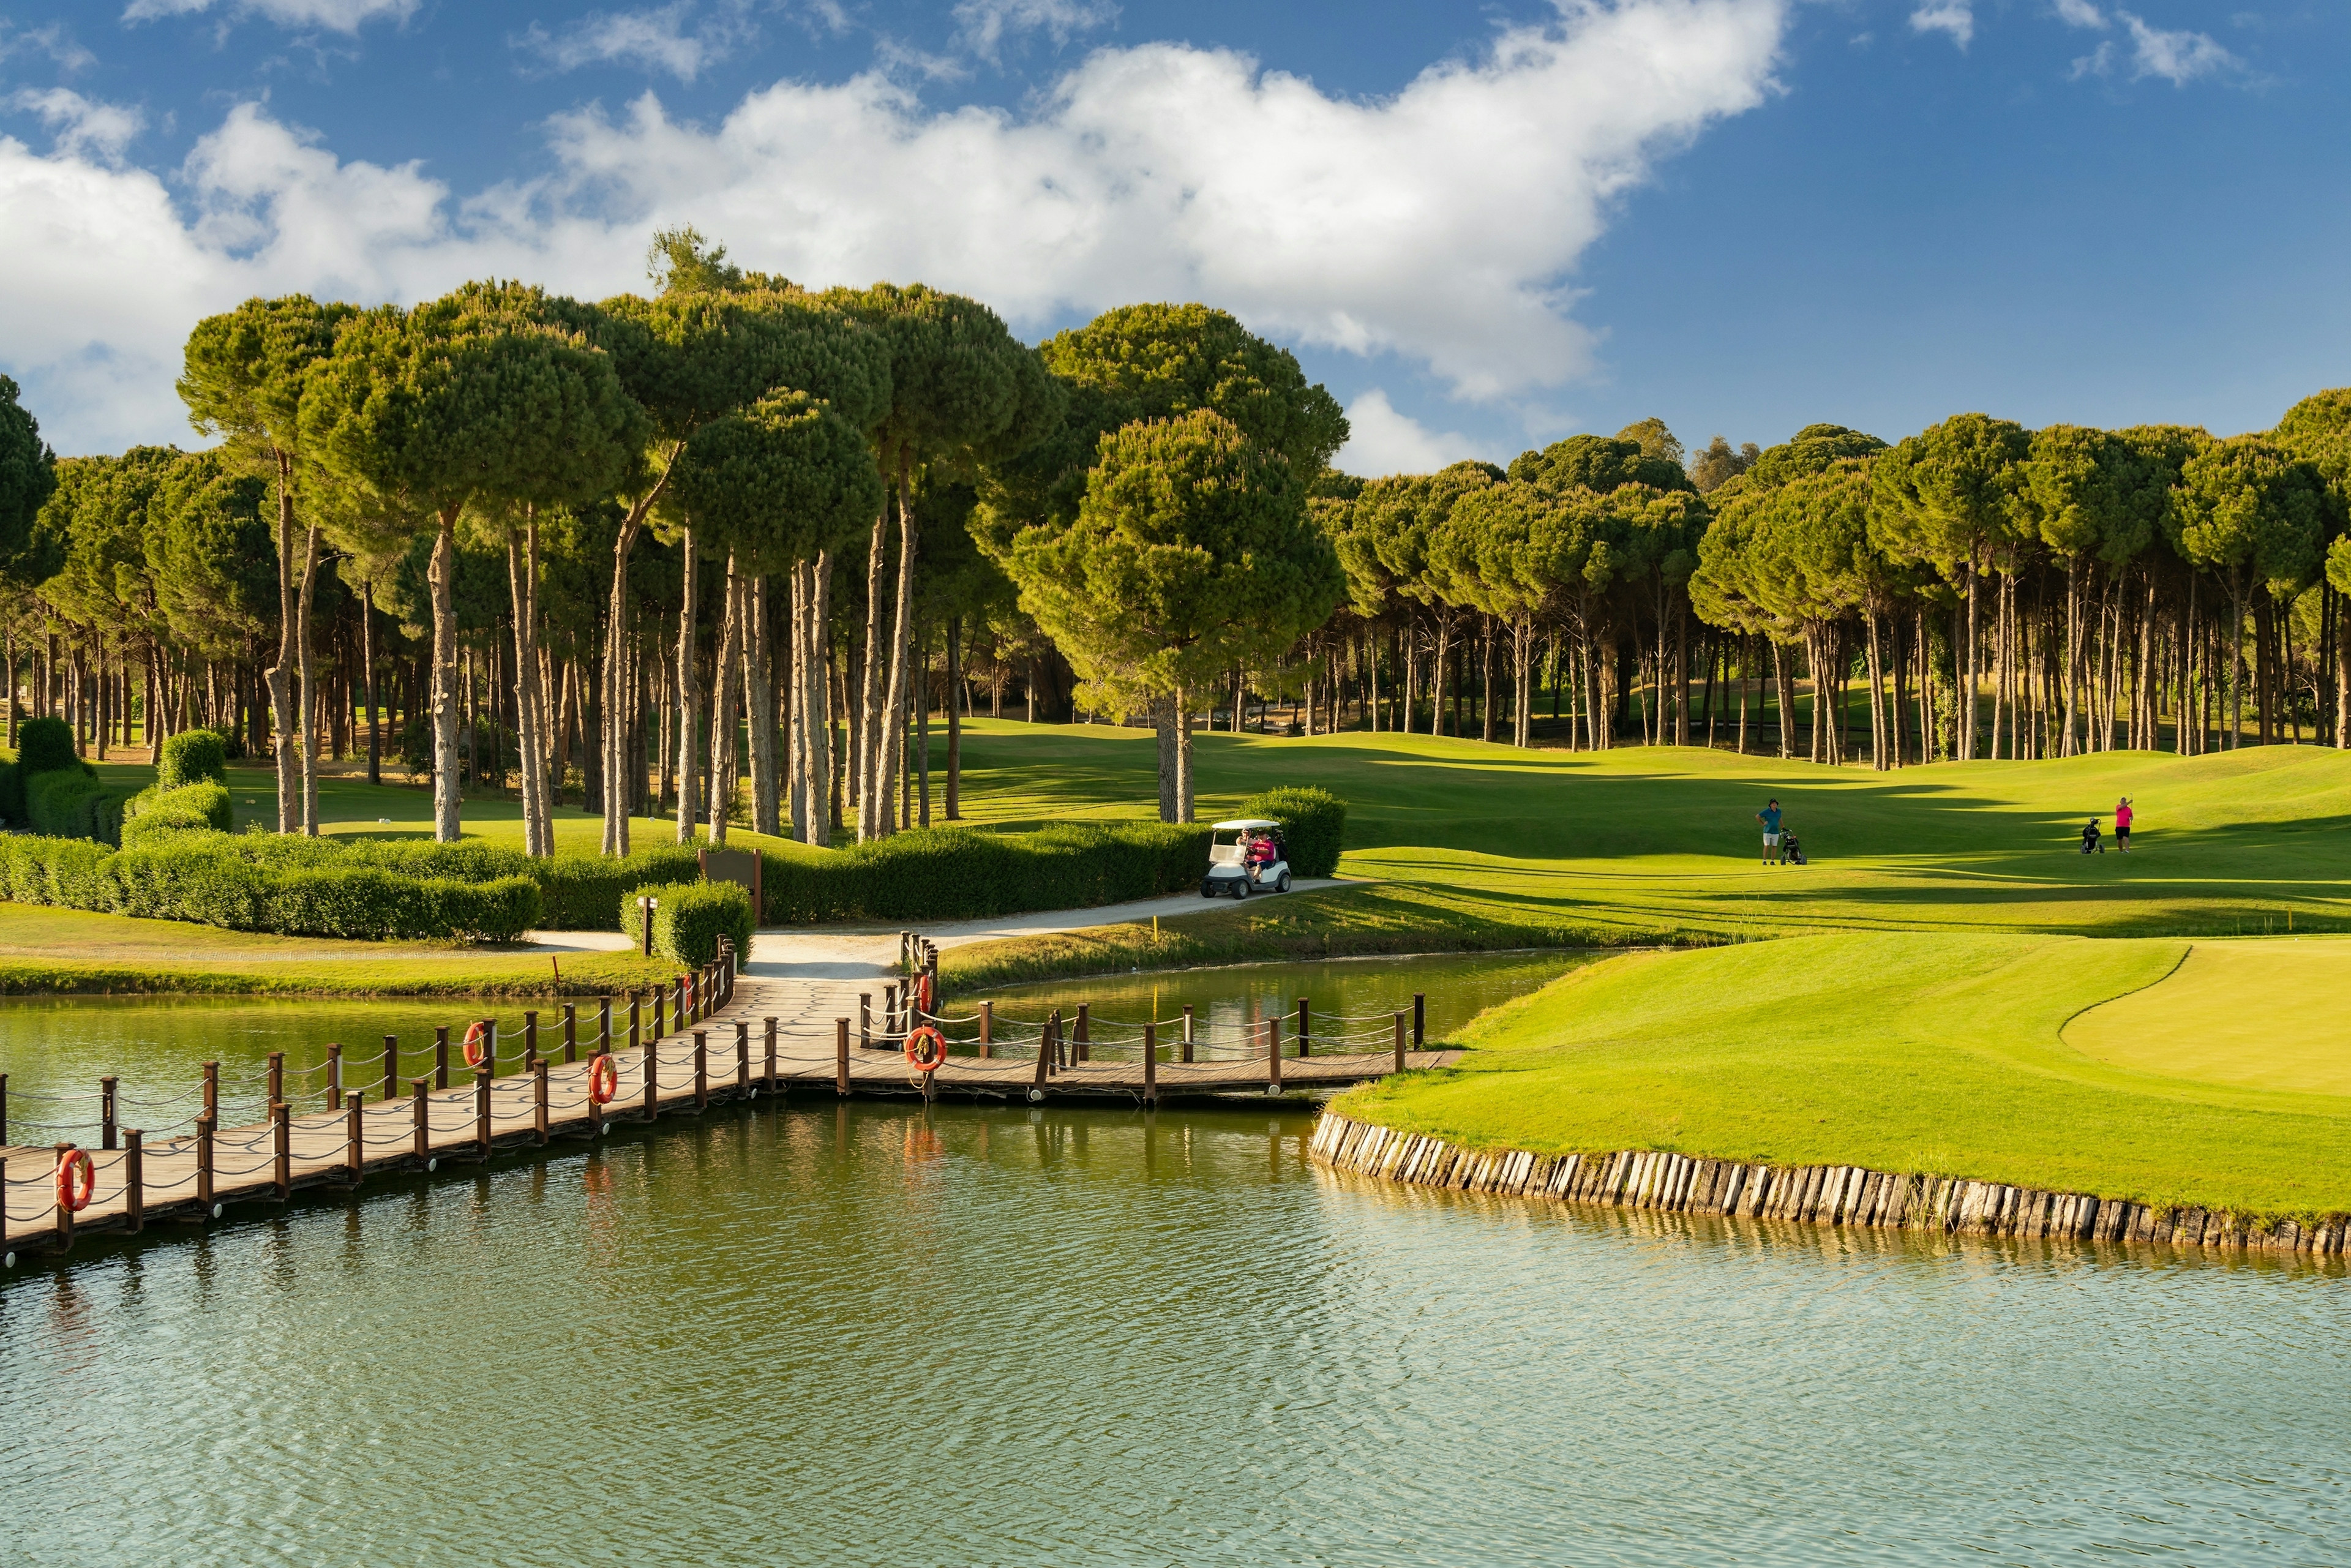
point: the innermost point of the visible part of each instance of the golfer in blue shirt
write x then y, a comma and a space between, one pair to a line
1770, 817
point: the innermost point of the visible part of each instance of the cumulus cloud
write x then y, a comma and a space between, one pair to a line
52, 40
83, 126
2177, 56
665, 38
2079, 14
1956, 17
1441, 224
1382, 439
982, 26
335, 16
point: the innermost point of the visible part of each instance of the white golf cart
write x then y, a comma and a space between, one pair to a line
1230, 873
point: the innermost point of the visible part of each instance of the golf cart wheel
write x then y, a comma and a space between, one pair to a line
1282, 884
1208, 888
1240, 887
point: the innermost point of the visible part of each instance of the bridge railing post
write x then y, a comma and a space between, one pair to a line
701, 1070
204, 1128
570, 1033
1303, 1034
840, 1055
539, 1098
135, 1178
653, 1077
1150, 1065
742, 1056
420, 1116
1399, 1042
987, 1030
636, 1000
4, 1118
391, 1068
1273, 1054
771, 1055
281, 1120
277, 1076
334, 1076
212, 1091
1187, 1033
440, 1057
482, 1109
603, 1024
529, 1041
106, 1128
1419, 1019
354, 1135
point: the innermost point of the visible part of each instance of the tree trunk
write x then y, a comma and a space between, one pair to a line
1163, 716
1185, 796
689, 697
441, 576
281, 674
956, 697
894, 711
725, 676
867, 760
522, 590
759, 702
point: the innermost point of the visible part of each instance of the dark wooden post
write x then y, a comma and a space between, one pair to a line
864, 1020
354, 1133
106, 1113
1187, 1033
701, 1070
529, 1041
570, 1033
212, 1091
490, 1045
1083, 1038
420, 1109
281, 1126
987, 1030
1303, 1035
889, 1010
277, 1076
134, 1179
204, 1125
391, 1068
635, 998
841, 1056
482, 1109
1053, 1045
539, 1097
1150, 1065
1273, 1052
1419, 1019
440, 1057
1045, 1050
652, 1075
334, 1076
65, 1215
3, 1125
661, 1006
742, 1056
771, 1056
603, 1024
1399, 1042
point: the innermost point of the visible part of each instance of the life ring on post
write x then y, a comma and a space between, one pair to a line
927, 1050
604, 1079
477, 1043
77, 1179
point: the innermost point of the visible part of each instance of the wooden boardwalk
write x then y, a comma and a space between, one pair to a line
764, 1035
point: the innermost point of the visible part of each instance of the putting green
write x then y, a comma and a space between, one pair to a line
2272, 1014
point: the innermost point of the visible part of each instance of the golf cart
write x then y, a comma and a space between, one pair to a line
1230, 875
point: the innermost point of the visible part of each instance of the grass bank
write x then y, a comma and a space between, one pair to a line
1948, 1054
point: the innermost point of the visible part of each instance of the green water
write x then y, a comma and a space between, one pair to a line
1351, 1002
866, 1333
55, 1051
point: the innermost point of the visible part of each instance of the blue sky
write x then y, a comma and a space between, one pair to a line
1483, 227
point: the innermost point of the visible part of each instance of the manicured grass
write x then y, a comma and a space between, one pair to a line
1943, 1053
56, 951
2271, 1013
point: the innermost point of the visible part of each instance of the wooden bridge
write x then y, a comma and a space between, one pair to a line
719, 1038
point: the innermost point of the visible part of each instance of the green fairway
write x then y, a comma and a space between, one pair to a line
2271, 1014
1941, 1053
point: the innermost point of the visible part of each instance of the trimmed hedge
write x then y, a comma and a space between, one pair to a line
209, 877
1313, 821
44, 745
74, 803
962, 873
191, 757
689, 919
579, 889
189, 809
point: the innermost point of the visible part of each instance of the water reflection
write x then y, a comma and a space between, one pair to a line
881, 1333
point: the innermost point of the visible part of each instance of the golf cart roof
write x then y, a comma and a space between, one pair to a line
1242, 823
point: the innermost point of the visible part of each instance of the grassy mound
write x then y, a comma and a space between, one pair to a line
1939, 1053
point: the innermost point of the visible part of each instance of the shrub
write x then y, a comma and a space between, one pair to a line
689, 919
12, 794
581, 890
44, 745
72, 803
1313, 821
191, 757
961, 874
191, 807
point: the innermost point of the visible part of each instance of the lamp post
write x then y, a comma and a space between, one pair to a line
645, 906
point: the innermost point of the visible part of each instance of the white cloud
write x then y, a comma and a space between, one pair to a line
2097, 63
52, 40
335, 16
982, 26
1440, 224
1956, 17
657, 39
83, 126
2079, 14
2178, 58
1381, 440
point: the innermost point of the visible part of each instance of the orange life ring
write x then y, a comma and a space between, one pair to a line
77, 1179
604, 1079
928, 1057
477, 1042
925, 998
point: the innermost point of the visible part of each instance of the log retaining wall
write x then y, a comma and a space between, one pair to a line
1821, 1194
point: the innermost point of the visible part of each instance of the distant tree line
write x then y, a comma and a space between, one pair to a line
598, 549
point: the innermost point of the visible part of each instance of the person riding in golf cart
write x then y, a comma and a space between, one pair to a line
1245, 856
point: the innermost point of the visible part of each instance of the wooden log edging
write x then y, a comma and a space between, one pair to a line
1819, 1195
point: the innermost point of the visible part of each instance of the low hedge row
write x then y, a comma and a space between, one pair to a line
1313, 822
191, 757
208, 877
157, 811
74, 803
689, 917
961, 874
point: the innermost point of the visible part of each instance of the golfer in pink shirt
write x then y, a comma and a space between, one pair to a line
2122, 825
